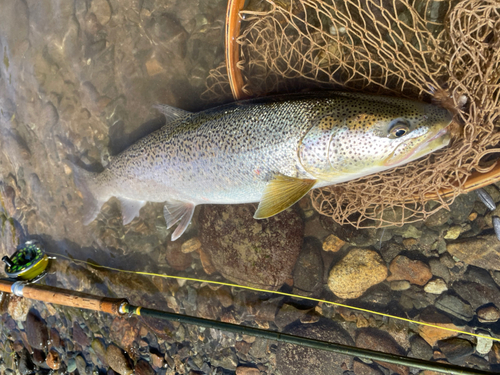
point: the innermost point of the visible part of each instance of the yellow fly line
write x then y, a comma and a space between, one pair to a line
77, 261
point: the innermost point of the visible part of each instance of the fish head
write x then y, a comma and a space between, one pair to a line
372, 135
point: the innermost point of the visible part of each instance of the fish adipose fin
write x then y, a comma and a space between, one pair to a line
130, 209
84, 181
171, 113
280, 193
178, 211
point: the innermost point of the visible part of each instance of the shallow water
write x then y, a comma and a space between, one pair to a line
78, 81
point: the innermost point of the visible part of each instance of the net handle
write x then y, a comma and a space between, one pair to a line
233, 25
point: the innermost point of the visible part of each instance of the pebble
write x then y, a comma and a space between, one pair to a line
36, 331
176, 258
361, 368
143, 368
244, 370
420, 348
81, 365
308, 271
453, 233
438, 269
193, 244
480, 251
333, 243
71, 365
414, 271
488, 314
433, 334
117, 360
18, 308
356, 272
53, 359
79, 335
454, 306
374, 339
483, 345
400, 285
456, 349
436, 286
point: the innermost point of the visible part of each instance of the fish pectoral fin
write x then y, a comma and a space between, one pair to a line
178, 211
280, 193
130, 209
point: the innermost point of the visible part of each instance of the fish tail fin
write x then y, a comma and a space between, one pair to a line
85, 182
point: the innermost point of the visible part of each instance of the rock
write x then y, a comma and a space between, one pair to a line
36, 331
193, 244
333, 243
453, 233
81, 364
166, 31
356, 272
158, 361
455, 306
25, 365
100, 351
143, 368
243, 370
53, 360
18, 308
433, 334
80, 336
375, 339
124, 331
437, 219
456, 349
102, 10
225, 358
400, 285
390, 250
176, 258
308, 271
436, 286
438, 269
461, 207
480, 251
117, 360
71, 365
286, 315
420, 348
379, 294
208, 304
484, 345
415, 271
488, 314
299, 360
361, 368
258, 253
477, 294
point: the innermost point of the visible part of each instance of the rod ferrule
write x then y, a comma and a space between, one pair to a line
17, 288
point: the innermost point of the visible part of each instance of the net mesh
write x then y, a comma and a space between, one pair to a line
445, 51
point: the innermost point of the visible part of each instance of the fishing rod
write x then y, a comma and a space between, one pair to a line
30, 261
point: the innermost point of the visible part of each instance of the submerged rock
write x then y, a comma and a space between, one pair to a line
117, 360
308, 271
299, 360
258, 253
481, 251
415, 271
36, 331
356, 272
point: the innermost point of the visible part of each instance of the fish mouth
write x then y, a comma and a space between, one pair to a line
433, 142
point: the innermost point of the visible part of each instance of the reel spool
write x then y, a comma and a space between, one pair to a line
28, 263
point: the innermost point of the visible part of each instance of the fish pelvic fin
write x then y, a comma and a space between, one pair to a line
85, 182
171, 113
281, 193
130, 209
178, 211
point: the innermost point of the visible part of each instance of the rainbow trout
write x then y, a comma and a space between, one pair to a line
270, 150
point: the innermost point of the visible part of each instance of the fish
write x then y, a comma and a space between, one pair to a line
271, 151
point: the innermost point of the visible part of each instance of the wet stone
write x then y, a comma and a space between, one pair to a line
436, 286
25, 365
100, 351
456, 349
36, 331
118, 361
226, 358
438, 269
143, 368
333, 243
299, 360
244, 370
53, 359
455, 307
415, 271
308, 271
480, 251
81, 365
79, 335
176, 258
483, 345
420, 348
18, 308
356, 272
488, 314
477, 294
361, 368
287, 314
259, 253
400, 285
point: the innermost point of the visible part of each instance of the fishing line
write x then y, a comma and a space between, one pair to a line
77, 261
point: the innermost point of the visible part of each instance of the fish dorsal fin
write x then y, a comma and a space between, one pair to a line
280, 193
178, 211
171, 113
130, 209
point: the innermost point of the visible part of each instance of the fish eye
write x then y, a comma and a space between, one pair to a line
398, 129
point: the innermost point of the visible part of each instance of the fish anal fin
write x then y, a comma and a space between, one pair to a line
178, 211
130, 209
281, 193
